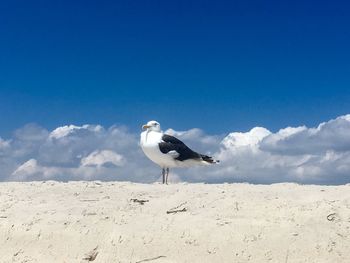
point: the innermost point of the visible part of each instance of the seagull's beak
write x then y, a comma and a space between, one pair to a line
144, 127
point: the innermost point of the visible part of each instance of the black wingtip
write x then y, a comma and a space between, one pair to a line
209, 159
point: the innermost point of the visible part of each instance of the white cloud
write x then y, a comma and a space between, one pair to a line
67, 130
301, 154
29, 167
4, 144
249, 139
331, 135
101, 158
75, 152
297, 154
31, 170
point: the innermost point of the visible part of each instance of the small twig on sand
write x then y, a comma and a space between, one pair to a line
176, 207
89, 200
92, 255
176, 211
149, 259
141, 202
3, 216
18, 252
332, 217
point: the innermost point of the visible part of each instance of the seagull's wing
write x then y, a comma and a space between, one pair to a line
177, 149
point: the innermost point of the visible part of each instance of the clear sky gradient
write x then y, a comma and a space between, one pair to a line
217, 65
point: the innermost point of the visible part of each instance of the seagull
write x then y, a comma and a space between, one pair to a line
168, 151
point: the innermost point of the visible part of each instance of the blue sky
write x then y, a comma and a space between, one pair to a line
241, 73
217, 65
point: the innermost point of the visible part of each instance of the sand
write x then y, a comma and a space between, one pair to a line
127, 222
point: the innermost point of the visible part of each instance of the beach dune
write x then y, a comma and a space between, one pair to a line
127, 222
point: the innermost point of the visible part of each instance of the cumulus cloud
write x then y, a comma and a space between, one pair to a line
300, 154
88, 152
328, 136
318, 155
103, 158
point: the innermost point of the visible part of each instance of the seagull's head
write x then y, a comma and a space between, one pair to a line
152, 126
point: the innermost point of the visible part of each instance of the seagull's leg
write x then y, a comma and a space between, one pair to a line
167, 174
163, 174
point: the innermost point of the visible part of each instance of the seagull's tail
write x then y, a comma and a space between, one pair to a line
208, 160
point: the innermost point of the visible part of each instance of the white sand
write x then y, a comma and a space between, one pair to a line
78, 221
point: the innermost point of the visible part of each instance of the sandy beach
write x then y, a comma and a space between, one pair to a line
126, 222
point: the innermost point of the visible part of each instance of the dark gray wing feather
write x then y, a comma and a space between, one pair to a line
170, 143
